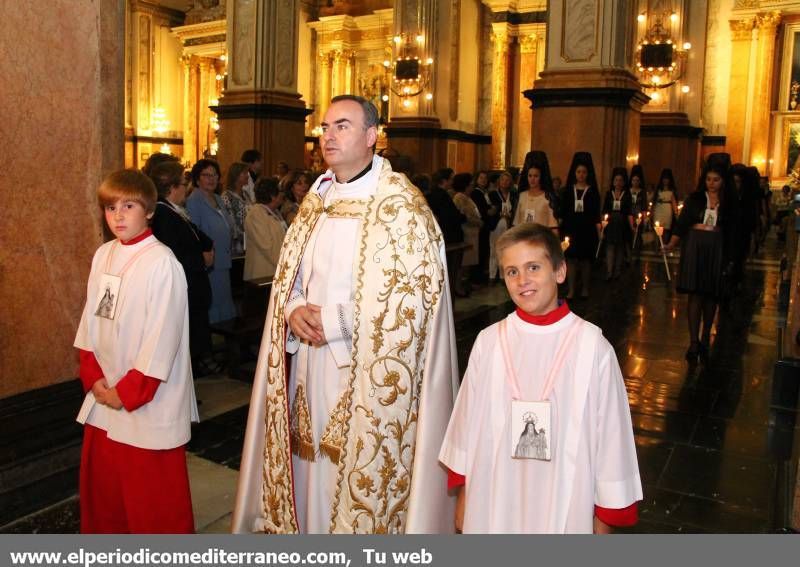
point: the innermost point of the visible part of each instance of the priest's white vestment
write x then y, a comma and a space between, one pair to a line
349, 443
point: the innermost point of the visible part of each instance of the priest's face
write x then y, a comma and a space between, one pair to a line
346, 141
530, 278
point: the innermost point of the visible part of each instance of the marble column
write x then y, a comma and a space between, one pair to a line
587, 98
261, 107
67, 95
413, 130
528, 70
190, 154
325, 71
767, 25
206, 93
739, 87
500, 107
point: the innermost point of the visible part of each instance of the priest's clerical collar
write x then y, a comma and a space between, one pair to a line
359, 175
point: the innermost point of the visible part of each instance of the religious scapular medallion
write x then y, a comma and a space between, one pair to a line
530, 215
617, 205
578, 206
710, 218
530, 430
107, 295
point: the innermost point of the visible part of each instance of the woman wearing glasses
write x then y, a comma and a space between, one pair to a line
208, 213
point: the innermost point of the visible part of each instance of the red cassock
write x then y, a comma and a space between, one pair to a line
126, 489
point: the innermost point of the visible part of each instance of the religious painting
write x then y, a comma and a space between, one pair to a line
793, 147
794, 81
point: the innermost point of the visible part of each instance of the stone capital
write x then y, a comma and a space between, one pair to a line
742, 30
528, 43
768, 21
501, 33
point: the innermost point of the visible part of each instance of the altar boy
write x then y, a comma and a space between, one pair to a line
540, 440
133, 343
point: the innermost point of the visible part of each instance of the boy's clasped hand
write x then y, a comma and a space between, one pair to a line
105, 395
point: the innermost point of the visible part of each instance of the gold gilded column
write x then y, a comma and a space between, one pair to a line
338, 67
189, 112
324, 84
767, 25
207, 79
528, 70
741, 40
500, 40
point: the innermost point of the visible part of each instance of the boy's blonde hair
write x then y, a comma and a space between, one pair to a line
129, 185
534, 234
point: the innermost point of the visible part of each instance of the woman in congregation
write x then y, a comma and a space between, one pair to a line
193, 249
537, 200
638, 207
580, 207
617, 208
295, 186
207, 211
706, 232
462, 187
265, 228
665, 204
745, 191
233, 200
505, 201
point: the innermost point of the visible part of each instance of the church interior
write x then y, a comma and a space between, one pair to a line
470, 85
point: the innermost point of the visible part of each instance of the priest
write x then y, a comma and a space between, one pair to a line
357, 371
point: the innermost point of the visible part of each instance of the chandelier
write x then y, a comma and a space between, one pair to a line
410, 68
660, 60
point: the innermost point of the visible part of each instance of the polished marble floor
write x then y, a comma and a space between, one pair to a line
713, 438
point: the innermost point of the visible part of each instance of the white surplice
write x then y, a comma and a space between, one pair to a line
149, 333
593, 451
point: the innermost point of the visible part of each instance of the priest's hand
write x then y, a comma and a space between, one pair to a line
306, 324
460, 504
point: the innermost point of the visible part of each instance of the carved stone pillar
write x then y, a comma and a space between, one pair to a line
325, 70
261, 107
587, 97
739, 87
759, 133
413, 130
189, 112
206, 93
500, 107
339, 73
528, 71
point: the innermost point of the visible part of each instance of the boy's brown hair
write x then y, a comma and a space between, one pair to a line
129, 185
534, 234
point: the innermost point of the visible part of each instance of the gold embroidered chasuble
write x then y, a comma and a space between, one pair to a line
401, 300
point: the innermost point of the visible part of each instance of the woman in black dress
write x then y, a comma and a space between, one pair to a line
193, 249
580, 209
706, 232
638, 207
618, 232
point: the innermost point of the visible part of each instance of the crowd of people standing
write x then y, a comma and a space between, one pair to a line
716, 226
208, 222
